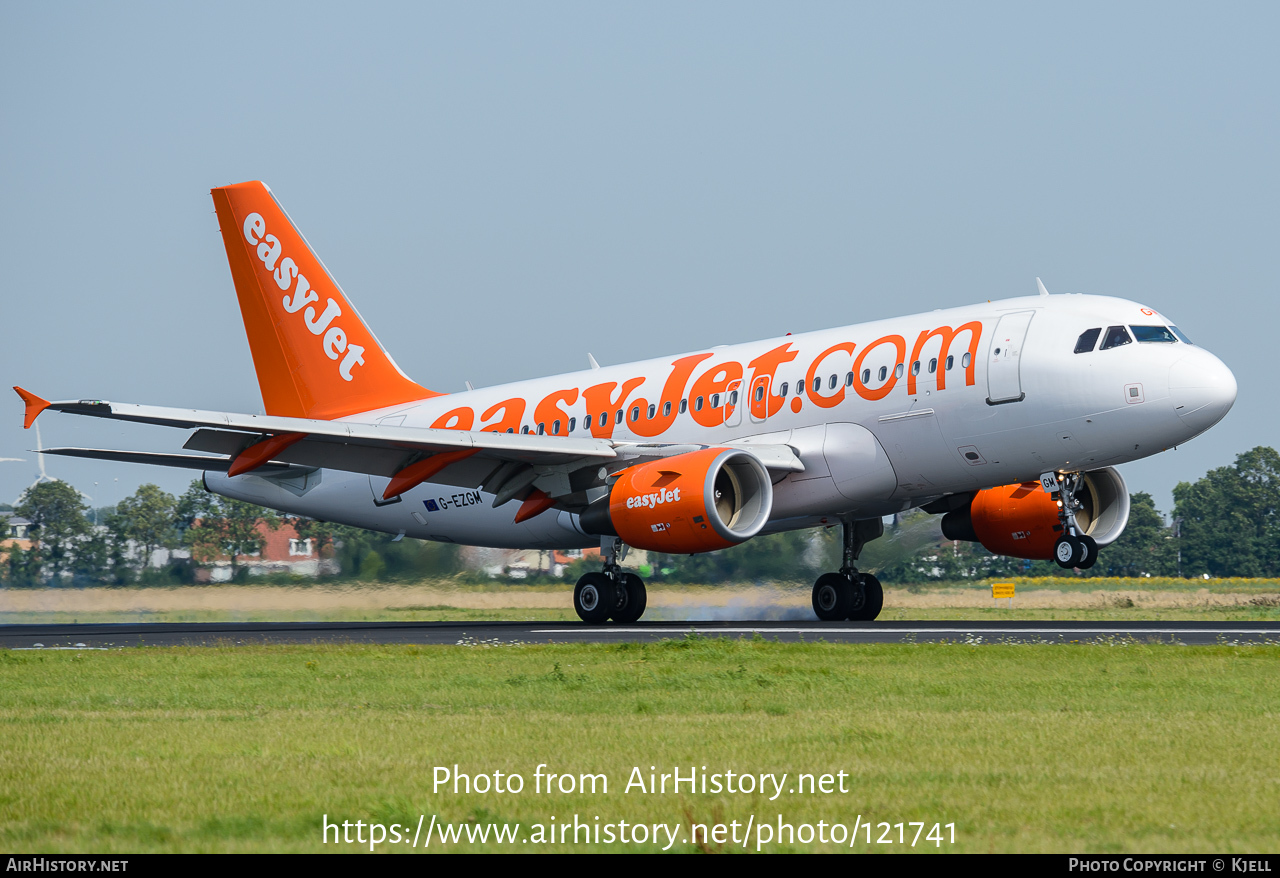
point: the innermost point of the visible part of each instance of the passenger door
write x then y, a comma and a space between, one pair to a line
1004, 358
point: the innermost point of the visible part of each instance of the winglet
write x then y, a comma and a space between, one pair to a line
35, 405
1040, 286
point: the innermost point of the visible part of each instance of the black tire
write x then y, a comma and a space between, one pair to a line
870, 598
1088, 552
832, 596
632, 599
1067, 552
594, 598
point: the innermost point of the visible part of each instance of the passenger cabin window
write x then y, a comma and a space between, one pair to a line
866, 376
915, 368
832, 382
848, 380
964, 362
542, 429
715, 400
951, 361
635, 413
1153, 334
817, 384
782, 391
666, 409
1087, 340
933, 365
653, 410
697, 404
884, 372
618, 419
555, 428
733, 398
684, 406
573, 424
897, 371
1115, 337
604, 419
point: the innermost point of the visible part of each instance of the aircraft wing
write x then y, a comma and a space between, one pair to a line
233, 429
508, 464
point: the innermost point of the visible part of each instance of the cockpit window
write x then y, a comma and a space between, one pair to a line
1153, 333
1087, 339
1116, 336
1180, 334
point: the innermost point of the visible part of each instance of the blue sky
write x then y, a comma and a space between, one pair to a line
504, 187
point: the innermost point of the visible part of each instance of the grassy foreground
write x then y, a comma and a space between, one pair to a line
1104, 747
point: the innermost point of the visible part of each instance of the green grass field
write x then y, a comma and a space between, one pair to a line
1101, 747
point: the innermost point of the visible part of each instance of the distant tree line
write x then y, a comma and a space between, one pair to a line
68, 548
1225, 524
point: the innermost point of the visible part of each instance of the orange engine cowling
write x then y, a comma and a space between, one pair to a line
1021, 520
1016, 520
698, 501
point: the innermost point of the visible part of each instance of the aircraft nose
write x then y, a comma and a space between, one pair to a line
1203, 390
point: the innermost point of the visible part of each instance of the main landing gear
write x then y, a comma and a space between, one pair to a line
849, 594
1074, 548
611, 594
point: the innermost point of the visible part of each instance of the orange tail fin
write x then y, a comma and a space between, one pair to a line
314, 356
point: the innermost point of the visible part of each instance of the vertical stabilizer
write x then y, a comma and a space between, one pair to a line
314, 355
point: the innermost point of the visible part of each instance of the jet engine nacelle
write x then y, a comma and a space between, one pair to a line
1021, 520
699, 501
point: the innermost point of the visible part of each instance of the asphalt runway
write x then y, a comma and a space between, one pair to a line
116, 636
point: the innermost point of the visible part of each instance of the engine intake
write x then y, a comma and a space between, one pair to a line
699, 501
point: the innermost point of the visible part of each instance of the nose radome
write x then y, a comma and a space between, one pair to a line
1202, 388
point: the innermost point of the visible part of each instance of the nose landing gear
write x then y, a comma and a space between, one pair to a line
1074, 548
849, 594
611, 594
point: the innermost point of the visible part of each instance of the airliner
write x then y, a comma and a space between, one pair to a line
1007, 418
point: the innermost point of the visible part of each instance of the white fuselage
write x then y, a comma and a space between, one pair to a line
1013, 401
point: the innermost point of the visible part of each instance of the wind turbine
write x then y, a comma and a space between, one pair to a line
43, 476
